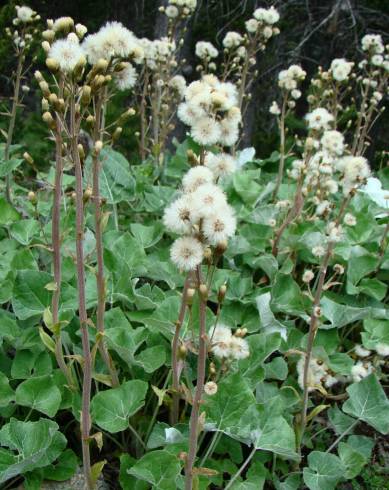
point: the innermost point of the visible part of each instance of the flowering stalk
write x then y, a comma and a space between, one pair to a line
313, 324
201, 362
11, 127
56, 245
100, 280
175, 355
282, 149
83, 316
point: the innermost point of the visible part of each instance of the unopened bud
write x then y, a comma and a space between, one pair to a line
101, 65
32, 197
90, 120
44, 86
190, 292
117, 133
208, 254
86, 94
182, 351
53, 99
48, 118
222, 293
203, 290
87, 194
98, 146
45, 105
81, 151
28, 158
46, 46
52, 64
48, 35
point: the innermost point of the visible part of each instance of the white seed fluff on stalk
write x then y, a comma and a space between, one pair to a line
341, 69
382, 349
208, 199
210, 109
25, 14
232, 40
239, 348
210, 388
126, 78
195, 177
206, 50
220, 226
333, 142
187, 253
177, 216
360, 370
319, 119
361, 351
206, 131
221, 164
67, 54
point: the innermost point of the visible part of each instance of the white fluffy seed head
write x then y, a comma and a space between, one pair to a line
220, 226
67, 54
186, 253
196, 177
177, 216
221, 164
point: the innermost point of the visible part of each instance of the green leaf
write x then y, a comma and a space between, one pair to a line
7, 394
8, 327
324, 472
116, 182
352, 460
63, 469
340, 421
340, 315
6, 167
376, 331
30, 297
246, 187
373, 288
39, 393
125, 251
151, 358
358, 267
268, 320
31, 445
128, 482
147, 236
24, 231
8, 213
111, 409
368, 402
261, 347
159, 468
288, 298
268, 431
277, 368
363, 444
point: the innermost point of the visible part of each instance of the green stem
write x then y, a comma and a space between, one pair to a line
242, 468
11, 127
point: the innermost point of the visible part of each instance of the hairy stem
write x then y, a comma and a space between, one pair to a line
56, 246
100, 279
87, 378
11, 127
282, 149
175, 357
293, 214
194, 416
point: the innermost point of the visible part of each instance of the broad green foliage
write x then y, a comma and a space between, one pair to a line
258, 399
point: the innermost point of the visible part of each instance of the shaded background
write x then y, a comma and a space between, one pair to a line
313, 32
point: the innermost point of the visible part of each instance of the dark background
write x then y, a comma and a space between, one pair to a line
313, 32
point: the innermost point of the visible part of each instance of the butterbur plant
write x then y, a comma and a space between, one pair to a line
193, 317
